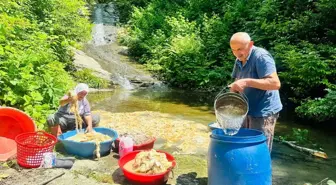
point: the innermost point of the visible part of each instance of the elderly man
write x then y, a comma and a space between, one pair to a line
256, 76
65, 118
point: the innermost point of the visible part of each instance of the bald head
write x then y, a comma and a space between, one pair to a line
241, 45
240, 37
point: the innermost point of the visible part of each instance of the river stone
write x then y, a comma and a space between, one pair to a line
124, 51
83, 61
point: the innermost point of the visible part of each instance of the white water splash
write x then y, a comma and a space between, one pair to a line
98, 35
98, 29
124, 82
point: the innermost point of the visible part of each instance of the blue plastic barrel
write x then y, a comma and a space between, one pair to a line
241, 159
212, 126
87, 149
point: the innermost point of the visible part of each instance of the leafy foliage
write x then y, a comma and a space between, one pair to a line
187, 43
34, 51
320, 108
301, 138
86, 76
126, 7
301, 65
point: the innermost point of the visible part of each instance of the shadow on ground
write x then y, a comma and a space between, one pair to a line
183, 179
191, 179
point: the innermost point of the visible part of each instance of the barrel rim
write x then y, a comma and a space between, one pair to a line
260, 137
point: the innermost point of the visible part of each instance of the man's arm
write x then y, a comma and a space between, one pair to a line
270, 82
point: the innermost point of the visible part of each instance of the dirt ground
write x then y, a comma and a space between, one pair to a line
188, 148
191, 166
102, 171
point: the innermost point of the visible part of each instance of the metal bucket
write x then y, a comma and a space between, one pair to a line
231, 109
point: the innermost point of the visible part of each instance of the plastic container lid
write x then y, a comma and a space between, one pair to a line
14, 122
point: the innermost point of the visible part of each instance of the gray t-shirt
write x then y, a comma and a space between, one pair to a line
259, 65
83, 107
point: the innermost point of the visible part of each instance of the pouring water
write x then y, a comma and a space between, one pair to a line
230, 110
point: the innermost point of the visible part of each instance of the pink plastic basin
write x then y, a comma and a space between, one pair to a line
7, 149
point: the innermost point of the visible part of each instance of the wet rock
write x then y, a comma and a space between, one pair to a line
109, 14
100, 90
110, 9
83, 61
136, 81
141, 83
124, 51
148, 84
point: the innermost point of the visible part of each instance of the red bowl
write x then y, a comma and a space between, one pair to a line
14, 122
144, 179
7, 149
144, 146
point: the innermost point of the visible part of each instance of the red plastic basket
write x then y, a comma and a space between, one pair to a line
31, 146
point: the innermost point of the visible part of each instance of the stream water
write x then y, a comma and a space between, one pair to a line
289, 165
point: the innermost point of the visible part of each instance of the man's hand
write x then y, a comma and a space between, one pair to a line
238, 85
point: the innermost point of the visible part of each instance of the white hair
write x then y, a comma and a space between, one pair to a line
241, 37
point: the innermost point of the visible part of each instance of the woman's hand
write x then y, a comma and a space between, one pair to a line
89, 129
88, 120
73, 99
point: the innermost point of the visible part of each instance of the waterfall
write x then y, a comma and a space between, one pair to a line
110, 56
98, 31
103, 35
